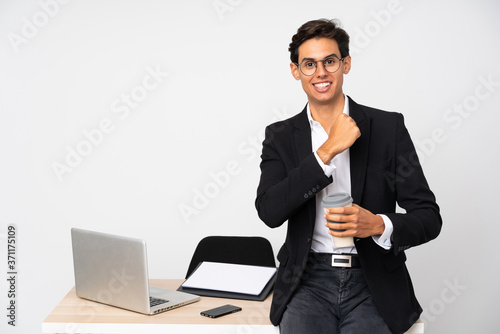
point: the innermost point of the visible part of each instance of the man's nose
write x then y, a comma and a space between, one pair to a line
320, 69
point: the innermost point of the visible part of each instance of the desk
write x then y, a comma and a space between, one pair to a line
76, 315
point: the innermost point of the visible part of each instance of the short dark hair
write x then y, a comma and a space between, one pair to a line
317, 29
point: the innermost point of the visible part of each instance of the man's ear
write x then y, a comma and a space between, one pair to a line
295, 71
347, 64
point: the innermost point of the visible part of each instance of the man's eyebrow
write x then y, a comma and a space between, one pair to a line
333, 54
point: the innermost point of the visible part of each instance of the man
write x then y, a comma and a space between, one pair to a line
336, 145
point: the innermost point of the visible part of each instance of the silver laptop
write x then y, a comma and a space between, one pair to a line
113, 270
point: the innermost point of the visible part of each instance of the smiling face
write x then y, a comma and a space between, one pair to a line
323, 87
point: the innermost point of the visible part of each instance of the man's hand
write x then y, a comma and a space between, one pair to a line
342, 135
356, 221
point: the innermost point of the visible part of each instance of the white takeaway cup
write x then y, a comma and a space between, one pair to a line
334, 201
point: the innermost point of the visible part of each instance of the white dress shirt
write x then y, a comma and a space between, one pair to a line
339, 170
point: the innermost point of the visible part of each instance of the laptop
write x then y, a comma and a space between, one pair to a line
113, 270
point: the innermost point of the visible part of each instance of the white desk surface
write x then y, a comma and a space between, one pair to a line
76, 315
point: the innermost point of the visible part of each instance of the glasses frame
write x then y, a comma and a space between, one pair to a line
316, 64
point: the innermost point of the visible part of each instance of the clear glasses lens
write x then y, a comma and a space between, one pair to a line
308, 67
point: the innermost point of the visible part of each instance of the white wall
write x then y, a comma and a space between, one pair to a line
222, 75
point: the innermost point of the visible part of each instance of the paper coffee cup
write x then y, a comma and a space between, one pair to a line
334, 201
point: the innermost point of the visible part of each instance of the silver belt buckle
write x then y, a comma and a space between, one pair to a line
341, 260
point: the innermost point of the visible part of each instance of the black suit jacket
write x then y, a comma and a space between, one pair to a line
384, 171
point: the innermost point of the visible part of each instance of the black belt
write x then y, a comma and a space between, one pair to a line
337, 260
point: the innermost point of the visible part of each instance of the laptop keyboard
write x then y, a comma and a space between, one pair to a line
156, 301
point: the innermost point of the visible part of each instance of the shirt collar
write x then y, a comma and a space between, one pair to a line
345, 111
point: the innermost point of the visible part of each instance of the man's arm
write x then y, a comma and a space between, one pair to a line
283, 189
341, 136
285, 186
421, 222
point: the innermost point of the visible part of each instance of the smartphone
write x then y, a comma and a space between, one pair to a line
220, 311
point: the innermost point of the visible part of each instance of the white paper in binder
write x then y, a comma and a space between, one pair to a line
236, 278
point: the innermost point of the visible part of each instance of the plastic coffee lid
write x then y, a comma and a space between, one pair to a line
336, 200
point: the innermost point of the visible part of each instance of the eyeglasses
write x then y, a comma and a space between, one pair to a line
331, 64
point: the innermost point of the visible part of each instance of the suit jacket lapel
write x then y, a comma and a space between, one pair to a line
302, 136
358, 152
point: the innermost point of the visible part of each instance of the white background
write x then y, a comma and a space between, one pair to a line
65, 67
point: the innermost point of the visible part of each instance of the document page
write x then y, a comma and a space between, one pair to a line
230, 277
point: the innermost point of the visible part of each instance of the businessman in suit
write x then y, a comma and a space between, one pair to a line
336, 145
